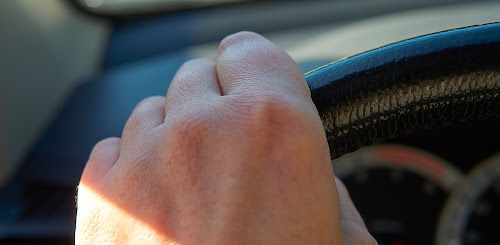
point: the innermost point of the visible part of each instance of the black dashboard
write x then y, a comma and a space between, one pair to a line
429, 187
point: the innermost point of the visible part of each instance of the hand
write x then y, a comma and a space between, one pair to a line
235, 154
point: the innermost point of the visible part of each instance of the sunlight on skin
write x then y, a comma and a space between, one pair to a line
137, 232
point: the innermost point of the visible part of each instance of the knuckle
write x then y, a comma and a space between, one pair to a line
101, 148
249, 49
106, 142
187, 74
103, 154
235, 38
186, 71
268, 111
143, 111
149, 101
274, 124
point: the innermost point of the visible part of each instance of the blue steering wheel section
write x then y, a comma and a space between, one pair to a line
469, 36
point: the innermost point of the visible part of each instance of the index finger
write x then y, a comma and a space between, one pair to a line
247, 62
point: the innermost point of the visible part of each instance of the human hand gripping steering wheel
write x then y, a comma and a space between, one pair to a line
235, 153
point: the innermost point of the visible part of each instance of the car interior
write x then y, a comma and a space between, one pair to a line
408, 92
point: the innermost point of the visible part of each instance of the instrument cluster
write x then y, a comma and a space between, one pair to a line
411, 195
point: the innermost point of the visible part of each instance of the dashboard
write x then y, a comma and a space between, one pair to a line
434, 187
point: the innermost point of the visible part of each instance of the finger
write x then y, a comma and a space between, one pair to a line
354, 230
247, 62
102, 158
193, 84
348, 210
148, 114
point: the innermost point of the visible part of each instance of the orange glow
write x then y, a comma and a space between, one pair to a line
403, 156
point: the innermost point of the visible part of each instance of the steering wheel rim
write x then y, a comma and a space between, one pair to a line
426, 82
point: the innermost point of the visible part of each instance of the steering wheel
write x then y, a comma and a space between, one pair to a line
427, 82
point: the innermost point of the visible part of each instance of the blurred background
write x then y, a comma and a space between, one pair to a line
71, 72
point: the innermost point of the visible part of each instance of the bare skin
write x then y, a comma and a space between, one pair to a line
234, 154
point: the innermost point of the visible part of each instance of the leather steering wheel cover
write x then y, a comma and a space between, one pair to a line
421, 83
